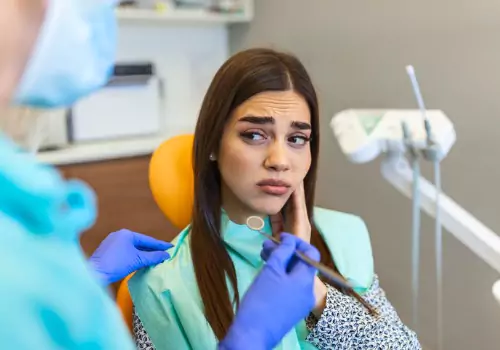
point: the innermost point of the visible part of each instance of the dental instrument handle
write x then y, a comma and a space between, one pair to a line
333, 276
324, 270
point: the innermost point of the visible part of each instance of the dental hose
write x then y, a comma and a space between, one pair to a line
415, 240
431, 153
415, 231
438, 237
439, 256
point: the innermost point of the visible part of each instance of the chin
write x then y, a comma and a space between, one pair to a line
269, 206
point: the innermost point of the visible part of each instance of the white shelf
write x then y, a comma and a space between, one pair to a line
183, 16
100, 151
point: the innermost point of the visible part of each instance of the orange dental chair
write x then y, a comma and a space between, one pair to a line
171, 182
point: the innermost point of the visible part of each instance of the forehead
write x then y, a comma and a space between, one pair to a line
284, 105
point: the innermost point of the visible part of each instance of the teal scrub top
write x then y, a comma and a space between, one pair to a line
49, 297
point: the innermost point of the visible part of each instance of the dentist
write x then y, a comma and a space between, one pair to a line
52, 53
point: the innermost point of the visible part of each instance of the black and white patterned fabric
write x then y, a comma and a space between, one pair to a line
141, 337
344, 325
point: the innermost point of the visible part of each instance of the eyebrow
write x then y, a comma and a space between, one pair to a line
270, 120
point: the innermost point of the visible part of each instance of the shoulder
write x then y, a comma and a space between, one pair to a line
152, 280
339, 219
343, 227
166, 298
348, 240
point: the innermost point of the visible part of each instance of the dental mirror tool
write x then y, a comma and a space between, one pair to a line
256, 223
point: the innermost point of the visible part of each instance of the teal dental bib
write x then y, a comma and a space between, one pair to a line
167, 300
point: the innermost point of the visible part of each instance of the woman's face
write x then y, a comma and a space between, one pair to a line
264, 153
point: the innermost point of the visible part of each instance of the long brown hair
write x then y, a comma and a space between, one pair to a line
244, 75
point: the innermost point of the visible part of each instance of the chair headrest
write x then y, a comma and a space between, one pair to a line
171, 179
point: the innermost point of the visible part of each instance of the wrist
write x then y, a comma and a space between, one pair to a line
101, 277
320, 293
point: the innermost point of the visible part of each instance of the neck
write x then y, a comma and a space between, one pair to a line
235, 210
239, 216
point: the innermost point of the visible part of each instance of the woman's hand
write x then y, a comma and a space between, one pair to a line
297, 223
296, 218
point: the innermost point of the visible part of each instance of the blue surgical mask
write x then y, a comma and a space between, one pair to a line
73, 56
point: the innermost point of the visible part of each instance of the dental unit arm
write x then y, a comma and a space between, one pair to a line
363, 135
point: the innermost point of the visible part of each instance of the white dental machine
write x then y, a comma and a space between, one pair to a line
403, 138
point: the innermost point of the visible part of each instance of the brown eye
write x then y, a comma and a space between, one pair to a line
253, 136
298, 140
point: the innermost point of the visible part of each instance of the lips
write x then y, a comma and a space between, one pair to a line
274, 187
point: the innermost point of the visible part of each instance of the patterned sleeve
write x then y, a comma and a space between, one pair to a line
346, 324
141, 337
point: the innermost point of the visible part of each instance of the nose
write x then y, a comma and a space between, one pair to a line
277, 157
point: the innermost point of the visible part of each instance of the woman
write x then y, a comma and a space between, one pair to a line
256, 153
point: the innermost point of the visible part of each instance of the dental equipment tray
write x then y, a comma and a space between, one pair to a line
363, 134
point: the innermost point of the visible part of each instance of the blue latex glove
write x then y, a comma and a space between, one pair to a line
284, 289
124, 252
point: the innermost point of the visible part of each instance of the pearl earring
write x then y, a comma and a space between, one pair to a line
212, 157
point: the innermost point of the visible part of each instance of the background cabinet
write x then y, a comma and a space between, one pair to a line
124, 199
